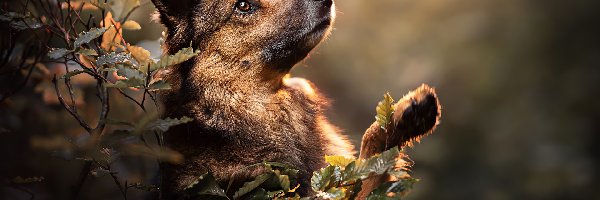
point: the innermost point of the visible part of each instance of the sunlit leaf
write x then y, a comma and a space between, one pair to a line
181, 56
340, 161
322, 179
115, 58
384, 111
58, 53
141, 55
86, 37
131, 25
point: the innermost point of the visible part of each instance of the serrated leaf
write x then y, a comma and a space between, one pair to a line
164, 124
392, 190
159, 85
115, 58
205, 187
86, 37
26, 23
72, 73
251, 185
130, 73
87, 52
323, 178
58, 53
181, 56
385, 111
340, 161
127, 83
131, 25
332, 194
141, 55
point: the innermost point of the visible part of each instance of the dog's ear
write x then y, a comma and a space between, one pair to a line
171, 11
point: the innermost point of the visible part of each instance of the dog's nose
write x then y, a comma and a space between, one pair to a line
326, 3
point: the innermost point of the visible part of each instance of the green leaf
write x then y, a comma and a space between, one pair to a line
58, 53
384, 111
72, 73
87, 52
115, 58
258, 194
205, 187
325, 177
181, 56
86, 37
159, 85
332, 193
249, 186
395, 189
340, 161
164, 124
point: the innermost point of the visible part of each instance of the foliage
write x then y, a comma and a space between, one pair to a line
98, 50
385, 111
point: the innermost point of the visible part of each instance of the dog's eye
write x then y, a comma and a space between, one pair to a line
243, 6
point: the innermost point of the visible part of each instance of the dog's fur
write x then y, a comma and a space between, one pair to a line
246, 109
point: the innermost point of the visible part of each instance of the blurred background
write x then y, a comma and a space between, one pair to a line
518, 81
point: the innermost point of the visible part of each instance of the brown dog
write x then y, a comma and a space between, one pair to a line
244, 107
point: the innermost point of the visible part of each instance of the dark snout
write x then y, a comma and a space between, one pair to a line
321, 8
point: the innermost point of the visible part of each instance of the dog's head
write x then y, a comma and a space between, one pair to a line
272, 35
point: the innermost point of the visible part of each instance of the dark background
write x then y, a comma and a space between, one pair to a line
518, 81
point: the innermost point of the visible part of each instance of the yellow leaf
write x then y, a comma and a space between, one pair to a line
141, 55
340, 161
131, 25
112, 38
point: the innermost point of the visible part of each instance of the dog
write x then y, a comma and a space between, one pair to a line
245, 106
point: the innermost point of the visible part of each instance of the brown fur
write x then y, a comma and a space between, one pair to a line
246, 109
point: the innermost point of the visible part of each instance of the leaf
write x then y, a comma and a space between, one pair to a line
332, 193
131, 25
9, 16
181, 56
26, 23
86, 37
164, 124
388, 190
323, 178
115, 58
58, 53
203, 188
384, 111
249, 186
120, 8
379, 164
159, 85
87, 52
340, 161
141, 55
127, 83
72, 73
